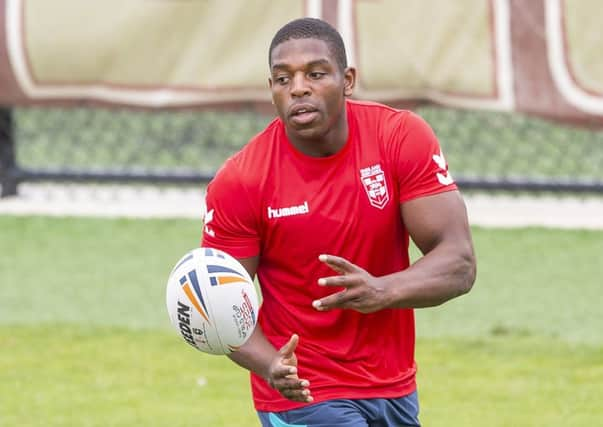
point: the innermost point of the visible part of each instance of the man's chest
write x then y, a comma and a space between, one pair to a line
326, 209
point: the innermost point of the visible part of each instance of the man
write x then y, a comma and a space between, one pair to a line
320, 205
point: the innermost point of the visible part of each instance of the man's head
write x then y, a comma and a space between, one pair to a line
309, 81
312, 28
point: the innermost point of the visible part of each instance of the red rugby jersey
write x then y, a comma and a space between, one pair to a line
271, 200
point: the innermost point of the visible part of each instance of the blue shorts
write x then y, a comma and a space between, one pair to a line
350, 413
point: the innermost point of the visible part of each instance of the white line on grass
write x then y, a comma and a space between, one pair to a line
179, 202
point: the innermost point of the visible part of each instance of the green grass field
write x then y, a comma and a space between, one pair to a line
85, 339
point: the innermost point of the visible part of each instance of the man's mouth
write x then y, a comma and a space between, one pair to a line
303, 114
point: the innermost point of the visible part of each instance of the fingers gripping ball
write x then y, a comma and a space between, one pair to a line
211, 300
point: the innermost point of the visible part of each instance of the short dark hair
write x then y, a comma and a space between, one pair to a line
311, 28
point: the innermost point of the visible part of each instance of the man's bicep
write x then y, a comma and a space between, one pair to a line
433, 219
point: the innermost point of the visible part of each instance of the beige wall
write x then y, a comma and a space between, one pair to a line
428, 44
536, 56
584, 29
153, 42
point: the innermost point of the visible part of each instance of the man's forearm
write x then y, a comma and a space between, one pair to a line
256, 354
442, 274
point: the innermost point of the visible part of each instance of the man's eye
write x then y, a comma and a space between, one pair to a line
316, 75
282, 80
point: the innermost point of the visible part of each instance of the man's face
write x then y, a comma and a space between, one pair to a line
308, 88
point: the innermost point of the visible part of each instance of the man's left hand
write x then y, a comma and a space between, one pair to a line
363, 292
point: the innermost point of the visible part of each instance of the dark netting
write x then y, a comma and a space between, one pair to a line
498, 146
122, 140
485, 150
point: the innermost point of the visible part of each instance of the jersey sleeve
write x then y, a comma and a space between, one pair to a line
230, 221
420, 165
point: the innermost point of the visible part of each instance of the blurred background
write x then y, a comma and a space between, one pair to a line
135, 92
114, 115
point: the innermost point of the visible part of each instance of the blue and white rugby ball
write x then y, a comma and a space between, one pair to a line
211, 300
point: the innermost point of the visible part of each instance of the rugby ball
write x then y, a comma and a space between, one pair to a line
212, 301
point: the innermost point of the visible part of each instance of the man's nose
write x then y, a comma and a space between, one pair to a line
299, 85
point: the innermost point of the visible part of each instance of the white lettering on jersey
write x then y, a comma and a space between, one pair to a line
444, 178
292, 210
375, 185
209, 216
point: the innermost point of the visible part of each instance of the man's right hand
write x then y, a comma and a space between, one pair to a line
283, 376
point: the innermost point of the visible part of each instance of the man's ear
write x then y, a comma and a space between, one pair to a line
270, 87
349, 77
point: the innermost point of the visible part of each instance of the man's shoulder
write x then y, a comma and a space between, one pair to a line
244, 165
377, 108
380, 119
377, 112
258, 146
272, 130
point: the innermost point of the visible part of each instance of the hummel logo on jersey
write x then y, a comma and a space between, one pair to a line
292, 210
444, 178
